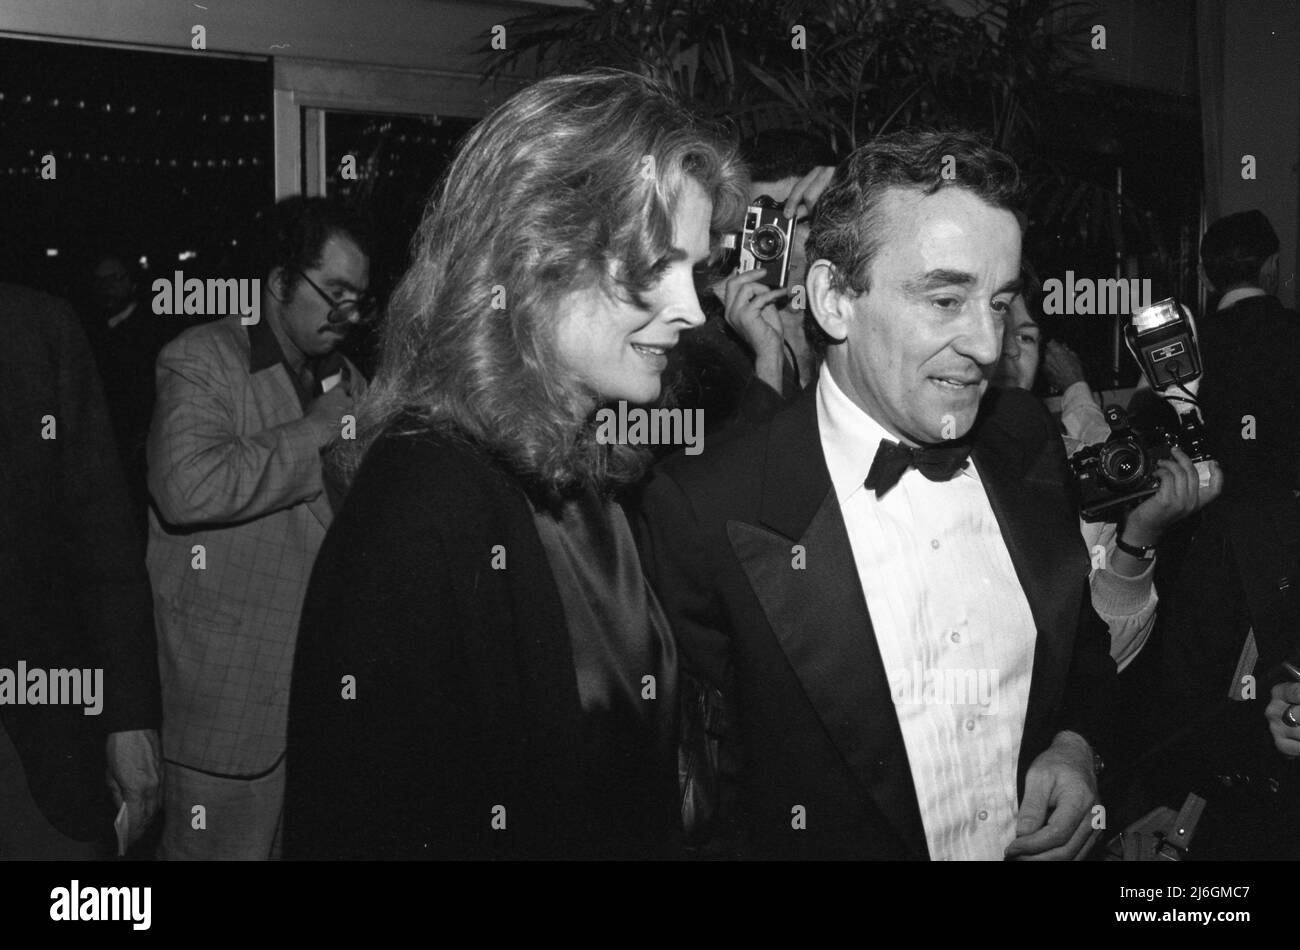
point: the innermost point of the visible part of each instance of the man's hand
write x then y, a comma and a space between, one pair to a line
1180, 494
327, 411
807, 190
1062, 366
135, 776
1286, 738
1055, 821
751, 309
751, 312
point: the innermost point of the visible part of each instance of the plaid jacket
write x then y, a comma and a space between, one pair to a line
234, 467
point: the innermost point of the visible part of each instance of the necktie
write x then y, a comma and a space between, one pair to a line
307, 377
938, 463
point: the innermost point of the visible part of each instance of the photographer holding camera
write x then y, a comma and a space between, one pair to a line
1123, 576
752, 356
763, 309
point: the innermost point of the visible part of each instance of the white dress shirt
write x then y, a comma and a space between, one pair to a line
954, 628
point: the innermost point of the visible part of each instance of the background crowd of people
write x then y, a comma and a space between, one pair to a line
419, 610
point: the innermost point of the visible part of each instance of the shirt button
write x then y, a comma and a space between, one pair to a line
954, 636
970, 725
935, 544
983, 816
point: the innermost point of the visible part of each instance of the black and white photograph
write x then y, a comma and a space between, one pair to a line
536, 435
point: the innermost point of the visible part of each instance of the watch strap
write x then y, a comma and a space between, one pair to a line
1141, 552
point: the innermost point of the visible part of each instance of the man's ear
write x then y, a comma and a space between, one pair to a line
277, 284
831, 308
1268, 273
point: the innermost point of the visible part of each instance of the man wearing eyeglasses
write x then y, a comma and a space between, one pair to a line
242, 428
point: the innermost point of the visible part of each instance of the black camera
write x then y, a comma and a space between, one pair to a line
763, 244
1121, 472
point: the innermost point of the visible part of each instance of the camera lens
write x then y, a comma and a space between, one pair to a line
1123, 463
768, 242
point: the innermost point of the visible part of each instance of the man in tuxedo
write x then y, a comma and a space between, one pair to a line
74, 595
241, 504
903, 633
1250, 349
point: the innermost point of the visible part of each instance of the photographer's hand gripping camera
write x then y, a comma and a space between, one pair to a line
1120, 472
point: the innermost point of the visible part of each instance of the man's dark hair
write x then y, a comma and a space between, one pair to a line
846, 229
1235, 248
778, 154
295, 233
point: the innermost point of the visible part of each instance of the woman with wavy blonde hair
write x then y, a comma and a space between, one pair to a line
482, 670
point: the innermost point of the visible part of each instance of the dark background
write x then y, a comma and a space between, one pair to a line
164, 154
157, 154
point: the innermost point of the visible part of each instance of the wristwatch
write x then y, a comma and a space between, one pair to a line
1142, 552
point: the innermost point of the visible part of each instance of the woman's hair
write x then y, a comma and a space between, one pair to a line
570, 185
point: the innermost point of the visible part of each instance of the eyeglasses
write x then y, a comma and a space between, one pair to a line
361, 309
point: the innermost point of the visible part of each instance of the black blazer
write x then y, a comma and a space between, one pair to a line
1240, 574
794, 651
73, 587
1251, 356
466, 693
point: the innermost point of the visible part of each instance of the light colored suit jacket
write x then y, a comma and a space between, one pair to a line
234, 467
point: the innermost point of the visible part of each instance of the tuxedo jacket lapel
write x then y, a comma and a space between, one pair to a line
813, 601
818, 613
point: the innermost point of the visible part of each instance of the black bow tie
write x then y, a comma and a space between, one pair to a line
938, 463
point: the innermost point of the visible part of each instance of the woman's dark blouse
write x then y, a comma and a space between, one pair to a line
623, 650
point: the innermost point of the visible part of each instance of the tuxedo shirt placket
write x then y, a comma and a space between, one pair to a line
946, 607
